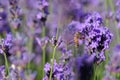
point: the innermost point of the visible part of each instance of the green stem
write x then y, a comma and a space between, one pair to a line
54, 50
30, 46
43, 58
43, 49
53, 57
6, 64
50, 6
106, 8
43, 31
75, 51
115, 23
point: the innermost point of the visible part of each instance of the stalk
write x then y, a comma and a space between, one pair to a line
44, 52
111, 3
6, 63
53, 57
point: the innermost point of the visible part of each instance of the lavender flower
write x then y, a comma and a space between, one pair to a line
109, 77
19, 73
94, 20
66, 55
3, 20
43, 12
60, 72
114, 65
117, 17
56, 42
98, 37
14, 73
2, 73
15, 14
43, 41
6, 44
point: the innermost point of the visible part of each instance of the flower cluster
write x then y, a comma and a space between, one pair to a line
2, 73
117, 13
114, 65
3, 20
74, 37
6, 44
42, 10
98, 41
98, 37
15, 14
61, 70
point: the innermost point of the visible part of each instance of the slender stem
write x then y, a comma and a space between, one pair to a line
43, 59
43, 49
115, 23
43, 31
54, 50
75, 51
53, 57
6, 64
106, 8
112, 5
30, 46
50, 6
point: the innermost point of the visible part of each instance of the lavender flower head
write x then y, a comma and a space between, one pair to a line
114, 65
4, 27
93, 21
60, 72
6, 44
98, 37
2, 73
57, 70
16, 14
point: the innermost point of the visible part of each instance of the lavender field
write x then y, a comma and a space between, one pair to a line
59, 39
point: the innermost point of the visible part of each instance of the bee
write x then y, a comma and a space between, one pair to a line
78, 36
72, 35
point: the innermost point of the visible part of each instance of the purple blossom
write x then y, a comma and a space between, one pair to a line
15, 14
98, 37
8, 40
61, 70
98, 40
2, 72
114, 65
6, 44
109, 77
4, 26
66, 55
43, 41
14, 73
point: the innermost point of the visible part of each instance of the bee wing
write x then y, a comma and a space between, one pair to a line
68, 34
